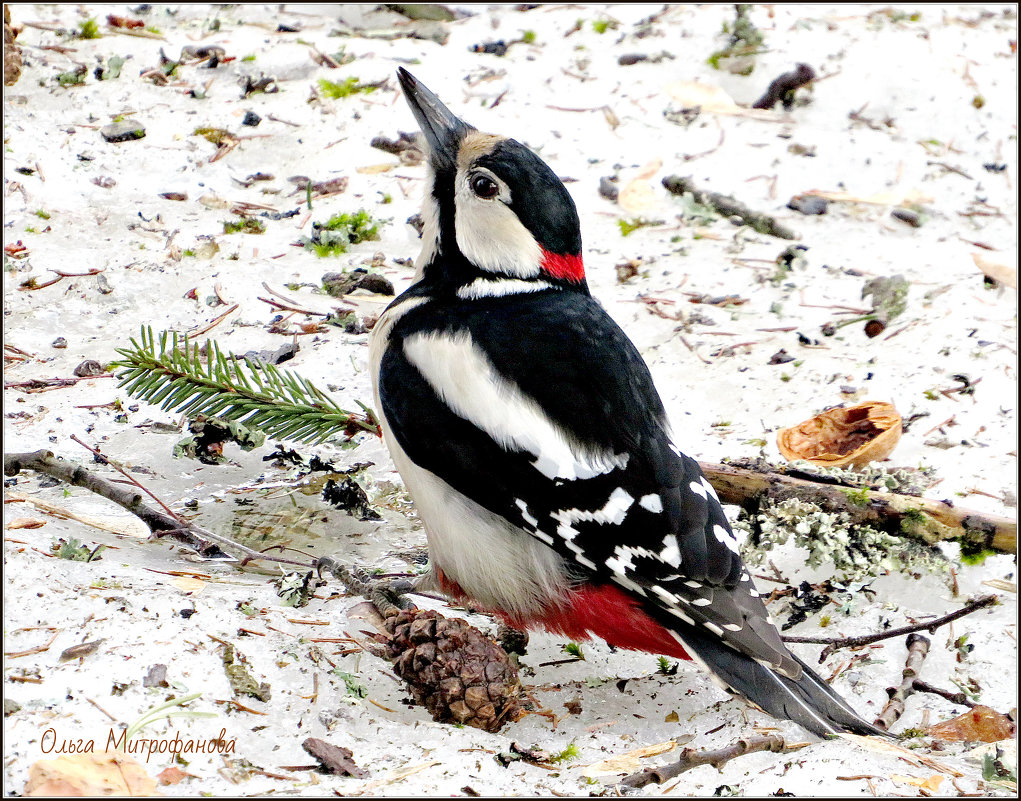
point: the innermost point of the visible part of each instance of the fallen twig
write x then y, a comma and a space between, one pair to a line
955, 698
47, 384
160, 523
918, 649
728, 207
31, 285
692, 758
836, 643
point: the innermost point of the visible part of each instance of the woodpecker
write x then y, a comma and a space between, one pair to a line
528, 431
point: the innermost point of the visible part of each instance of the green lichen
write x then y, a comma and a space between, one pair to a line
974, 554
346, 88
573, 649
212, 135
333, 237
244, 225
89, 30
628, 227
859, 497
853, 552
569, 753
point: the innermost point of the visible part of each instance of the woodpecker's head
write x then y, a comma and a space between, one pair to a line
495, 210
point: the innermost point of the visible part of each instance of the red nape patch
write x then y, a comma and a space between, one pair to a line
605, 611
567, 267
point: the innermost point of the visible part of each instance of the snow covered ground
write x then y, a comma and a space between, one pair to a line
915, 106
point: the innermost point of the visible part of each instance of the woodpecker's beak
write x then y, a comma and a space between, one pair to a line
443, 131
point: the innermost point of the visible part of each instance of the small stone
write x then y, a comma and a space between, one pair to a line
123, 131
608, 188
59, 343
907, 215
808, 204
251, 118
631, 58
87, 368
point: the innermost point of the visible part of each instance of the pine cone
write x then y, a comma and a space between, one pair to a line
458, 673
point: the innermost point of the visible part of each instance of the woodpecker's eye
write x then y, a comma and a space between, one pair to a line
484, 186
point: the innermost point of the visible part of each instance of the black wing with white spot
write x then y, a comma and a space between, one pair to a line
572, 447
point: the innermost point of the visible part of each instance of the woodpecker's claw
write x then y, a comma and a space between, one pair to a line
385, 595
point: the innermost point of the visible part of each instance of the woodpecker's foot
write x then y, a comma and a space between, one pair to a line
386, 595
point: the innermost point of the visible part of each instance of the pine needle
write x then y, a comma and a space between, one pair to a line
169, 371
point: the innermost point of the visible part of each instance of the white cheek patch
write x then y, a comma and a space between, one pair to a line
462, 376
491, 236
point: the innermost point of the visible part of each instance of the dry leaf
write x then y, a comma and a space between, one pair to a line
878, 745
930, 785
25, 522
911, 197
188, 584
628, 762
1001, 584
394, 776
375, 169
672, 717
1001, 273
708, 97
172, 775
211, 201
979, 724
637, 197
853, 435
77, 775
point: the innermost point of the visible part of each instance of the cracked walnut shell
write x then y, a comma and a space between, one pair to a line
853, 435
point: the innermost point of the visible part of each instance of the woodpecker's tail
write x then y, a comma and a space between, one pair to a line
808, 701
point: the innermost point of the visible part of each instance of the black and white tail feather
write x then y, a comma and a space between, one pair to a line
808, 701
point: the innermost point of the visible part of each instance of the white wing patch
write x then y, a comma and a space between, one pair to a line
652, 503
613, 512
463, 377
569, 532
671, 553
499, 287
725, 537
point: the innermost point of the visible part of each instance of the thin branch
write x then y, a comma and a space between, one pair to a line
836, 643
690, 758
955, 698
160, 524
105, 460
918, 649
